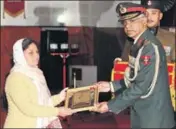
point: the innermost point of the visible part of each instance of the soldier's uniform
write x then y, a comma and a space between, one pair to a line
145, 85
166, 38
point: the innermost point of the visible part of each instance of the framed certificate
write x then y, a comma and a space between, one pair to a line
82, 98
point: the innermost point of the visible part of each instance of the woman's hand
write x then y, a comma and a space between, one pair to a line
62, 94
63, 112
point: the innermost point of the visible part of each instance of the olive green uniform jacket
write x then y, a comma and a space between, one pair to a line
148, 92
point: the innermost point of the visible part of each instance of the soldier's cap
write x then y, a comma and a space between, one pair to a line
128, 10
162, 5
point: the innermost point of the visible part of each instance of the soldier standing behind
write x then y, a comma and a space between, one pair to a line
155, 9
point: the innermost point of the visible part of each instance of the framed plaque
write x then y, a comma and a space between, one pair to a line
82, 98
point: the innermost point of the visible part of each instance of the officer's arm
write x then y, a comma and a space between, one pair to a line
139, 87
117, 86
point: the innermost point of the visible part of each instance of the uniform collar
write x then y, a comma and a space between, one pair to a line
135, 41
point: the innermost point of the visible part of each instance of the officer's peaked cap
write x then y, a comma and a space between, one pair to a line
128, 10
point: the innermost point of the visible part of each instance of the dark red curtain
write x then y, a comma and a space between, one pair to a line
8, 37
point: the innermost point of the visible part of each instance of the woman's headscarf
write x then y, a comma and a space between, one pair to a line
36, 76
18, 56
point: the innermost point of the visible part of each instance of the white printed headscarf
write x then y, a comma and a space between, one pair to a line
37, 77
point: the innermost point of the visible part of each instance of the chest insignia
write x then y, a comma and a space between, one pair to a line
146, 59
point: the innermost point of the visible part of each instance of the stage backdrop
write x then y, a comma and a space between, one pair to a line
72, 13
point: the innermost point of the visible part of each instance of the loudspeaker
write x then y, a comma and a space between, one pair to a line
57, 40
52, 65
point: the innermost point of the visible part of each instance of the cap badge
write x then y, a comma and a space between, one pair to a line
149, 2
122, 9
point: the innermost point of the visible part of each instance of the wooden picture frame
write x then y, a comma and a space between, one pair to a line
82, 98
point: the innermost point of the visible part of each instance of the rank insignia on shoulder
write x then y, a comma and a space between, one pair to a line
146, 59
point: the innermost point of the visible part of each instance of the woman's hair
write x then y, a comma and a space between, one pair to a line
26, 42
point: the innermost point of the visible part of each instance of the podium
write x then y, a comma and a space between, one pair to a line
119, 69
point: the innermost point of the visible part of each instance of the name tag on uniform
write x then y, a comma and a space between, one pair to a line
167, 50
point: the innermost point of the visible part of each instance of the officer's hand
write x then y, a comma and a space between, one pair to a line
101, 107
103, 86
117, 59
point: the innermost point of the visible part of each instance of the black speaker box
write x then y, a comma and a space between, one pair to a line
56, 40
52, 66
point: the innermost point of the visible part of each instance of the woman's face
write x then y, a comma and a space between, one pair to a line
31, 55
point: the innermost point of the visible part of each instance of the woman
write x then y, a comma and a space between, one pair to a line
30, 104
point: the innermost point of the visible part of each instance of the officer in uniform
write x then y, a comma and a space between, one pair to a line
145, 86
155, 9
